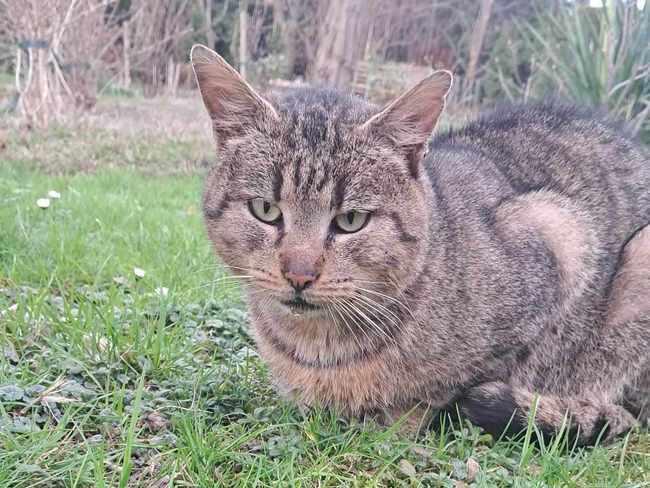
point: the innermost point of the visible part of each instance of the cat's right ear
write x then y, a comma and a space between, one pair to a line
232, 103
410, 119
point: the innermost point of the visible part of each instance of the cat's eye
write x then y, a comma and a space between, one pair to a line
264, 210
352, 221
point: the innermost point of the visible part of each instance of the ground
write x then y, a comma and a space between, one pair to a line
124, 354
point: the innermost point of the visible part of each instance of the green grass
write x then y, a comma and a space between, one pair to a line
105, 381
62, 149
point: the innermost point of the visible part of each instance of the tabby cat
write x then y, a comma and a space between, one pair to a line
497, 268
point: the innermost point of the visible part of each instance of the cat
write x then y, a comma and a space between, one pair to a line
501, 268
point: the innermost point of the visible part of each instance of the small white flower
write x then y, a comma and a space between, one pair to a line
162, 291
54, 194
138, 272
43, 202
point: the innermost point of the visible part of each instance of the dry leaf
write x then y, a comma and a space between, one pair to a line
155, 422
407, 468
56, 399
472, 469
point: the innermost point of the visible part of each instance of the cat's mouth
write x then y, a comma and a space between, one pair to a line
299, 305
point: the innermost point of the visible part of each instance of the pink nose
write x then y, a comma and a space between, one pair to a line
300, 281
300, 268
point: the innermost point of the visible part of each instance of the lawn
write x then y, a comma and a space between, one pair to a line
124, 353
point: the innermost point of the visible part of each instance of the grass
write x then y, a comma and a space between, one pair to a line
108, 380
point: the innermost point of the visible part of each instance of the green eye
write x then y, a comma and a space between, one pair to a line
265, 211
352, 221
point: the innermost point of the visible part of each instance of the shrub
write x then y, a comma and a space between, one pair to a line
594, 56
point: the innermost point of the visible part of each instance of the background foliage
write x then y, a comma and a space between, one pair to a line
498, 49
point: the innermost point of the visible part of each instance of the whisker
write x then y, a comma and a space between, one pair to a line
328, 308
266, 300
383, 295
332, 309
350, 328
241, 279
402, 303
378, 307
373, 310
228, 267
354, 306
383, 307
393, 320
231, 277
256, 292
234, 283
397, 288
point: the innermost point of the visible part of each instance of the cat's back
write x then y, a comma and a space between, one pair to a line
546, 146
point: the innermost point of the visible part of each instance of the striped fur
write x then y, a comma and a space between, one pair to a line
508, 265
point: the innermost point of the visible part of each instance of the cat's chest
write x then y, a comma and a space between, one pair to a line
353, 388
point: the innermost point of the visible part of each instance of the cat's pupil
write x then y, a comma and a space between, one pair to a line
267, 207
350, 217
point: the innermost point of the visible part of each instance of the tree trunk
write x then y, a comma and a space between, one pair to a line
209, 29
126, 46
286, 25
341, 41
243, 31
476, 43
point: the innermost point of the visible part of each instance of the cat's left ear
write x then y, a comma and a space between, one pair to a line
410, 119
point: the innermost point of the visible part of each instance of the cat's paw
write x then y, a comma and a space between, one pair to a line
612, 422
502, 409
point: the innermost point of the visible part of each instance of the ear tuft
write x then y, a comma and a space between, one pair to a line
230, 101
203, 54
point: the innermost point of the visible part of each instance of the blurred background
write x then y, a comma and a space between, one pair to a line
123, 64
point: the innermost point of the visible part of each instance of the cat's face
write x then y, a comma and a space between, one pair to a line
315, 216
318, 202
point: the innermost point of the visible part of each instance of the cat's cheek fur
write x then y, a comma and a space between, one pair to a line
249, 248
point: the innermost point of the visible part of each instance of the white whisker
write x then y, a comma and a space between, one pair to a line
351, 327
355, 307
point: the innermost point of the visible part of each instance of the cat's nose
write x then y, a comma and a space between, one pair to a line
300, 267
300, 281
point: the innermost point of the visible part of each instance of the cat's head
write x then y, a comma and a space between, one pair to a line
319, 198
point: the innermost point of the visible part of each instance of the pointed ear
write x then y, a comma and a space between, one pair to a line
410, 119
232, 103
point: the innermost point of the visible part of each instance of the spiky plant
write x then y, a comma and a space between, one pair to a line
596, 56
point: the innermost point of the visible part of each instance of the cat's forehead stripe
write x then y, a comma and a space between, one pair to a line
278, 181
313, 140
